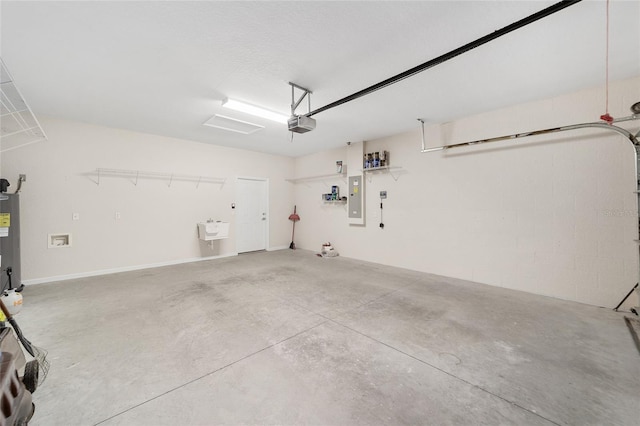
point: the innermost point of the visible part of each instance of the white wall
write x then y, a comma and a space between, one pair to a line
557, 219
158, 222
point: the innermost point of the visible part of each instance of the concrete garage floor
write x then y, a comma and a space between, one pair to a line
289, 338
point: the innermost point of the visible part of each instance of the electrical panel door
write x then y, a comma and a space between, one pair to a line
356, 200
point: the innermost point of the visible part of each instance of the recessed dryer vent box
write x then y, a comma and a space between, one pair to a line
59, 240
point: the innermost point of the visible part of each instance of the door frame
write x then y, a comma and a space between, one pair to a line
267, 241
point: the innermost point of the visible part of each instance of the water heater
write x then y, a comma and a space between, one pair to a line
10, 239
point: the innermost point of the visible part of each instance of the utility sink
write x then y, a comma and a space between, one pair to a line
217, 230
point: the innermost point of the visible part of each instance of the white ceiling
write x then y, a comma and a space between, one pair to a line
164, 67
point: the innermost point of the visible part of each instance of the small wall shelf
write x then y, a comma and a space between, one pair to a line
342, 201
341, 176
171, 177
394, 171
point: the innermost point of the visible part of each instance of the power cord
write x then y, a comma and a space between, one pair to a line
383, 195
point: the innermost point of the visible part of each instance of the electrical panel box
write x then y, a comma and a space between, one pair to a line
356, 200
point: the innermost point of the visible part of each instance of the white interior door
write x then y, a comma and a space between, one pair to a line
252, 221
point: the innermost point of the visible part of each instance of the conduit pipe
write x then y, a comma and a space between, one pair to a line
450, 55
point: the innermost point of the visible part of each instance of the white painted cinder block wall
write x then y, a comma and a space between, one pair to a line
554, 215
158, 222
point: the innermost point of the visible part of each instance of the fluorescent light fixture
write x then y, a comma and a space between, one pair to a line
254, 110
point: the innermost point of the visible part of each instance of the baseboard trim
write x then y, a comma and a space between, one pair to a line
277, 248
57, 278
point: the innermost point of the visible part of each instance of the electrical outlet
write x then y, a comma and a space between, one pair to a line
118, 216
76, 216
23, 178
383, 195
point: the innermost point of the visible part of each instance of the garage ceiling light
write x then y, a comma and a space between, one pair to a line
254, 110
